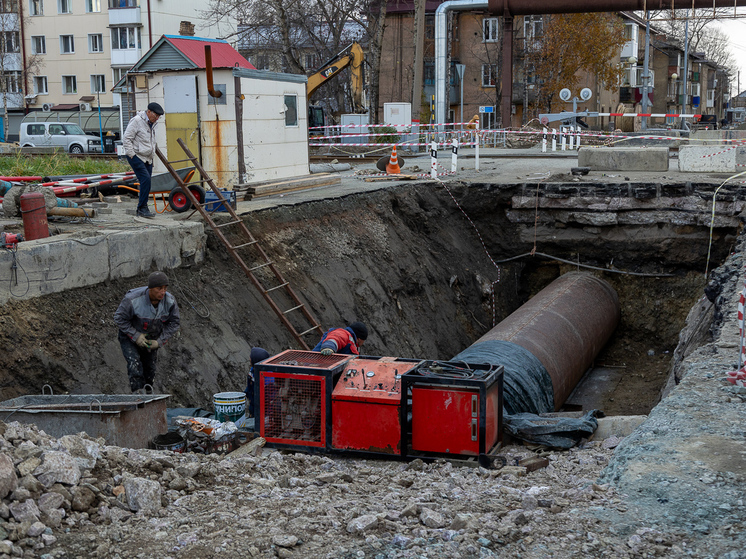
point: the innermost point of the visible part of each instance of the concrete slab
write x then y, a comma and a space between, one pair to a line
116, 245
618, 426
624, 158
708, 159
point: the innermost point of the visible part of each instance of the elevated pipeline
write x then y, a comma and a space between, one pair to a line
548, 344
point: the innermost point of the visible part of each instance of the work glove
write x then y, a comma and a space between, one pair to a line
141, 341
326, 351
152, 344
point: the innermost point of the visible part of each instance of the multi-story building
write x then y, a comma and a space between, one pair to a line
74, 51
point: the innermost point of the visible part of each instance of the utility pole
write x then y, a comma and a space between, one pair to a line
645, 72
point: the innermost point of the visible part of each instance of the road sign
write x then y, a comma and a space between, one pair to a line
486, 109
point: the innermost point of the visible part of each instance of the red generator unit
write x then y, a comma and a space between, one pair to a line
366, 405
293, 391
454, 409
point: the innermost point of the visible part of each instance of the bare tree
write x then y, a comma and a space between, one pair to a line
319, 28
700, 28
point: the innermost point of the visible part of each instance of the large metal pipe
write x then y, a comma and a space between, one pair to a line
561, 330
540, 7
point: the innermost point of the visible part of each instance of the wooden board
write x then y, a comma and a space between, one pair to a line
393, 178
291, 185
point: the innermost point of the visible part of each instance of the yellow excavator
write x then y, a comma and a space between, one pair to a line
351, 56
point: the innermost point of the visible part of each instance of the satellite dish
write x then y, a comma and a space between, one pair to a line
565, 94
586, 93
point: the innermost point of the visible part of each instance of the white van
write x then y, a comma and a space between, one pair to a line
68, 136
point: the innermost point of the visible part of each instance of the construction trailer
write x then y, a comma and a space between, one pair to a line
254, 131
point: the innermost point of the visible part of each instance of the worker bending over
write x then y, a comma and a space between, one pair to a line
343, 340
147, 317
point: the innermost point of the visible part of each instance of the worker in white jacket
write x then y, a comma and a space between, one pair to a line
139, 145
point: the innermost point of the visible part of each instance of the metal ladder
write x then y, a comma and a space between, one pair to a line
235, 235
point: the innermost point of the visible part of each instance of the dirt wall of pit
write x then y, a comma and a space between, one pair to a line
417, 263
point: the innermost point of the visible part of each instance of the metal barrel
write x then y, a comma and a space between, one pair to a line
564, 326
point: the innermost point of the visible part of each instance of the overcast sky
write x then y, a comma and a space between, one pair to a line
736, 29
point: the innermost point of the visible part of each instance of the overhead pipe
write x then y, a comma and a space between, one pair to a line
548, 344
208, 70
510, 8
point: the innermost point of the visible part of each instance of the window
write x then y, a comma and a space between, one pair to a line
490, 29
118, 74
9, 6
92, 6
38, 44
533, 30
64, 6
98, 83
12, 81
123, 38
428, 74
123, 4
291, 110
311, 61
95, 43
67, 44
69, 84
489, 75
10, 41
262, 62
429, 27
36, 7
40, 85
36, 130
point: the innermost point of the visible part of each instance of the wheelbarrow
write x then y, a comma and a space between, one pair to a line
171, 194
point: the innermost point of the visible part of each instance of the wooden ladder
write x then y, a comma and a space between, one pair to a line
261, 270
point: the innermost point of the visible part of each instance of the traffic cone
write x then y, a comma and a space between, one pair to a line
393, 167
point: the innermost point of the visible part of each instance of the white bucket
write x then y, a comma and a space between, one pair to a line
229, 406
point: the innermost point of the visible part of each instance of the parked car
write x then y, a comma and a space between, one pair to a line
58, 134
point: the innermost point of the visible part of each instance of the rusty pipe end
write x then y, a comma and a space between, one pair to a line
208, 70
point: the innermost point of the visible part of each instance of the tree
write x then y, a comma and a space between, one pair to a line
701, 30
309, 32
576, 43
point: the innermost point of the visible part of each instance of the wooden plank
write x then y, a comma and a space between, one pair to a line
308, 178
393, 178
330, 182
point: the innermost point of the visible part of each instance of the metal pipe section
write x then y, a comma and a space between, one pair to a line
208, 71
441, 49
540, 7
564, 326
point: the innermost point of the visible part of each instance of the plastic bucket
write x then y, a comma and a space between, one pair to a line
229, 406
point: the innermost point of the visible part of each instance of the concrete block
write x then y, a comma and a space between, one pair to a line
624, 159
708, 159
619, 425
59, 263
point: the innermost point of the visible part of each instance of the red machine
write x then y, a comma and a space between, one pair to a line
366, 405
10, 240
385, 406
456, 408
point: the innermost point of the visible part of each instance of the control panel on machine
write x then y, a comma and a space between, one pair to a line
382, 375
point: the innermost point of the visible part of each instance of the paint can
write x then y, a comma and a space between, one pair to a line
170, 441
229, 406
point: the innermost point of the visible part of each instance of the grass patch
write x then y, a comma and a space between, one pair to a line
58, 164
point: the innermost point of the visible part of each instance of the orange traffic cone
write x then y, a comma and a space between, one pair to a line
393, 167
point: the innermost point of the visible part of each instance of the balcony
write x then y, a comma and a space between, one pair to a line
628, 94
126, 12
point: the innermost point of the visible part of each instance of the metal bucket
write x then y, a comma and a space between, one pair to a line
229, 406
170, 441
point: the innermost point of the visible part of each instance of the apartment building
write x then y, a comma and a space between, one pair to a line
76, 50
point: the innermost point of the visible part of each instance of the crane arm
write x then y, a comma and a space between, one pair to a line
354, 59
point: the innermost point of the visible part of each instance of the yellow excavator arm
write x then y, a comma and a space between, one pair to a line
352, 56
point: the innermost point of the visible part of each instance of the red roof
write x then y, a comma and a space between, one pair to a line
223, 55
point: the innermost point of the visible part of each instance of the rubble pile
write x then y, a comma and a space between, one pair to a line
77, 497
